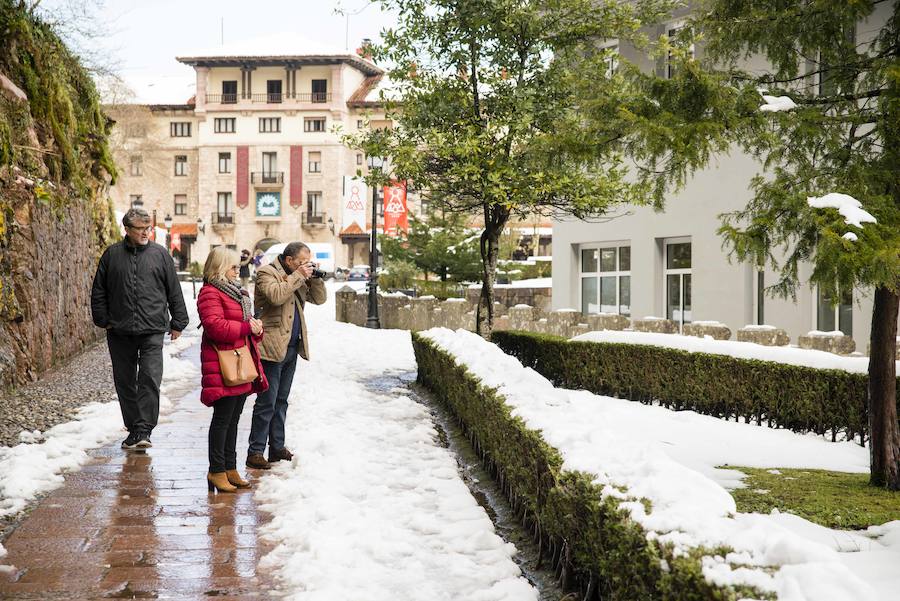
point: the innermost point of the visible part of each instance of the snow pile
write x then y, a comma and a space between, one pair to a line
776, 104
373, 507
669, 458
850, 236
35, 466
850, 208
741, 350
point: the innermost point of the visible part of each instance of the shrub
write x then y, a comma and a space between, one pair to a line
398, 274
803, 399
586, 537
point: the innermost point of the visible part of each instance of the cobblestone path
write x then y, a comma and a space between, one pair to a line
142, 525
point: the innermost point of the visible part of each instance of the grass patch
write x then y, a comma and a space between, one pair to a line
833, 499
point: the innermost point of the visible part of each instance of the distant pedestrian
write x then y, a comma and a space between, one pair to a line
228, 324
245, 267
283, 288
137, 298
256, 261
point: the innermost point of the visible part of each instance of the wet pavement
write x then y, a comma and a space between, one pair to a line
143, 525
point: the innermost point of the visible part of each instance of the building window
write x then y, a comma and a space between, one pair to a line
606, 280
137, 166
224, 162
314, 212
269, 124
269, 163
181, 165
225, 125
319, 90
673, 33
359, 159
180, 129
314, 124
678, 281
137, 201
181, 204
229, 92
359, 124
273, 90
315, 162
611, 59
833, 316
224, 207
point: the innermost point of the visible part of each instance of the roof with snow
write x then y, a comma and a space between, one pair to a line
276, 50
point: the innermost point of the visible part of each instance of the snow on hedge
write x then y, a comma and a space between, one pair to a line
790, 355
669, 458
849, 207
35, 466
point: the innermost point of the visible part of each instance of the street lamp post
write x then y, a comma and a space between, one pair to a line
375, 164
168, 223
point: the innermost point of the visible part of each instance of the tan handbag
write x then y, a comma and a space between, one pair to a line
237, 366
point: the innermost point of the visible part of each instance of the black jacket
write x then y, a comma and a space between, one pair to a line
135, 289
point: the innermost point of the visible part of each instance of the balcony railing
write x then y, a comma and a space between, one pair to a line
222, 218
315, 218
267, 177
314, 97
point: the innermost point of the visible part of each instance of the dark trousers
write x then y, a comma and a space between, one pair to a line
270, 409
137, 364
223, 433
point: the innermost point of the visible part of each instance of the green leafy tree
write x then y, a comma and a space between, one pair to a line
823, 117
437, 243
489, 120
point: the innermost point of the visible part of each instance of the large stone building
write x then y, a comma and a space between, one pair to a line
255, 157
671, 264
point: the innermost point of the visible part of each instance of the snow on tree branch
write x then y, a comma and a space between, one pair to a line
846, 205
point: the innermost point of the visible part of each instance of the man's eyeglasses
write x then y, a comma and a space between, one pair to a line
146, 229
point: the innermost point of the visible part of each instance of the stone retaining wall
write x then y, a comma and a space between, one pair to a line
398, 311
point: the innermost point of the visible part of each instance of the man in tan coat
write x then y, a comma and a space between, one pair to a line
282, 290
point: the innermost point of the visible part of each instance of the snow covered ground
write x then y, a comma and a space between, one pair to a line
670, 457
35, 466
373, 508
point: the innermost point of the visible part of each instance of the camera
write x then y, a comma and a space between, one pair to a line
318, 273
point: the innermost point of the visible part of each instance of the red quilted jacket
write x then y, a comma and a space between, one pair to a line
223, 326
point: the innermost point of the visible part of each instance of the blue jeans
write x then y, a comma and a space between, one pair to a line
270, 409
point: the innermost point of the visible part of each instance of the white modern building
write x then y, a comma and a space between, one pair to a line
672, 264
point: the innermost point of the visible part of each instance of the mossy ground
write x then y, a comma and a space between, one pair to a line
833, 499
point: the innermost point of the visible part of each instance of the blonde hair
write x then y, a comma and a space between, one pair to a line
219, 261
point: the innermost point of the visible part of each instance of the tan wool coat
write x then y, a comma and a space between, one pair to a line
274, 298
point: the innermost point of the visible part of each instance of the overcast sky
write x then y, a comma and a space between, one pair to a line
147, 35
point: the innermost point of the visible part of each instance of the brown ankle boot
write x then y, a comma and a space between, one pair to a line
235, 478
219, 481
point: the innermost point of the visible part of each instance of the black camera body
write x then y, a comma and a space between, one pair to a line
318, 273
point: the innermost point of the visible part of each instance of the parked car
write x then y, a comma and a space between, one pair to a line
358, 273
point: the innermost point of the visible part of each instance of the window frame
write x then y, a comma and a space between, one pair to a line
229, 203
177, 129
229, 122
617, 274
309, 121
183, 163
314, 166
177, 204
226, 157
266, 122
136, 165
681, 272
835, 312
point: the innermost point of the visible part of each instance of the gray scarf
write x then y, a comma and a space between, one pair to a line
233, 290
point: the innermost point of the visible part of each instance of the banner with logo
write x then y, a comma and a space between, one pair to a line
396, 218
354, 206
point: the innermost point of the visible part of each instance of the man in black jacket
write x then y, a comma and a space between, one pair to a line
134, 292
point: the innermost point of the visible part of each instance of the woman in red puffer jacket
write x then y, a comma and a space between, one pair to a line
228, 323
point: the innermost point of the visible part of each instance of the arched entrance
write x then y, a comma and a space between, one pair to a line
265, 243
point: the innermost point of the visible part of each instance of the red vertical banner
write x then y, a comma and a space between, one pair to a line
243, 176
395, 214
296, 190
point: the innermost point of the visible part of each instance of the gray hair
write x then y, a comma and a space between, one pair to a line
294, 248
134, 215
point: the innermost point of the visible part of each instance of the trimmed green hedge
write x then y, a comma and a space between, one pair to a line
803, 399
589, 542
